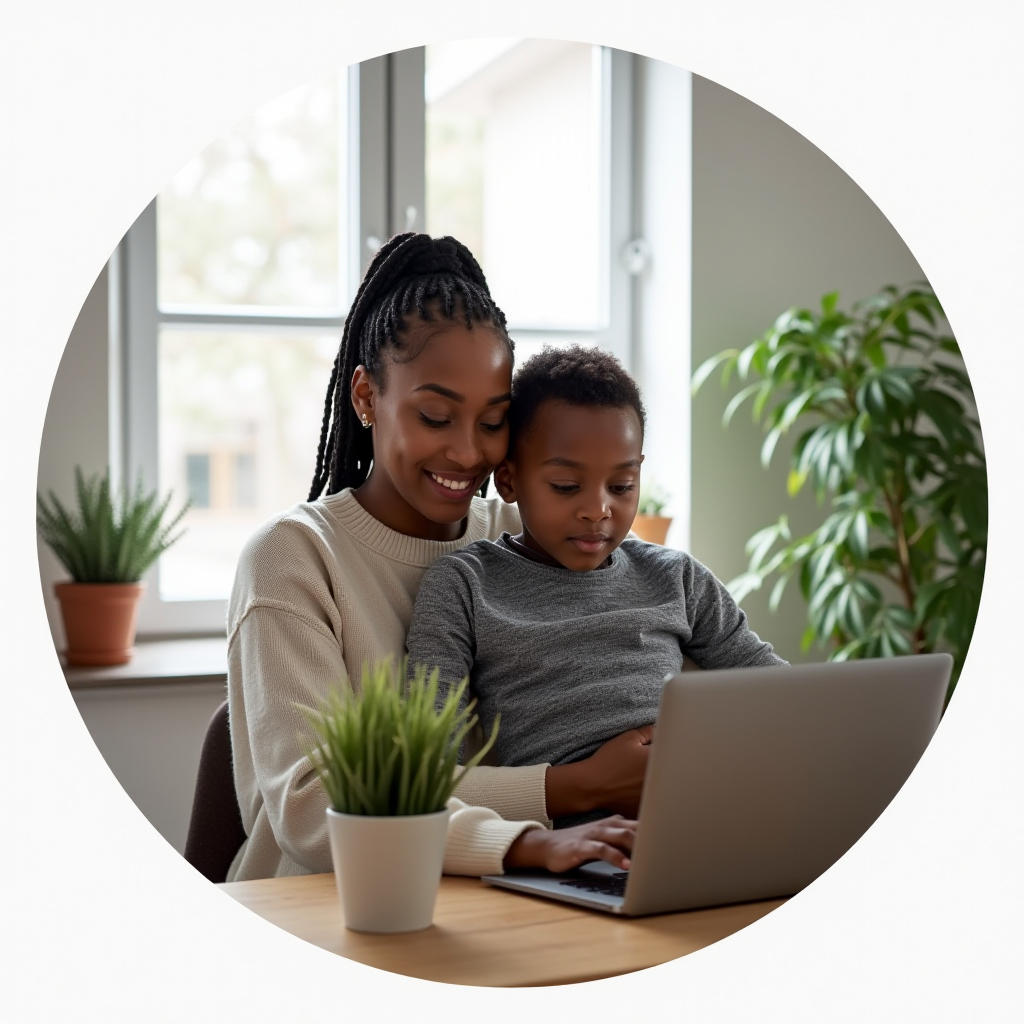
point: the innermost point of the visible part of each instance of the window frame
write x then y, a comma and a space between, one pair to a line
385, 155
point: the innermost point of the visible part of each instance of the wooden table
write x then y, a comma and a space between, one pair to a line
487, 936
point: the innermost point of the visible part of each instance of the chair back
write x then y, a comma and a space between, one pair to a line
215, 830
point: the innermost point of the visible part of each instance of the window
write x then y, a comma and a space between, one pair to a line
197, 472
237, 276
525, 162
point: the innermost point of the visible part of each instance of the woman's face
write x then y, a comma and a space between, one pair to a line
439, 427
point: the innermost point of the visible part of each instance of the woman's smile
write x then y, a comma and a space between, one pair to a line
456, 486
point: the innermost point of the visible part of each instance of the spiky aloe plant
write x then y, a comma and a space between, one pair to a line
109, 538
391, 748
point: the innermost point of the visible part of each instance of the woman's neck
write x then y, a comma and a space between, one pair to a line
380, 499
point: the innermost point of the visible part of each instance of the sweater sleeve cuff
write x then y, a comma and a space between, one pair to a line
478, 840
517, 794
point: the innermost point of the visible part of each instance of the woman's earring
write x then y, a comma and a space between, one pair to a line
366, 422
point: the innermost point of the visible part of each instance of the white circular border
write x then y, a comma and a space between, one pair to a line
102, 101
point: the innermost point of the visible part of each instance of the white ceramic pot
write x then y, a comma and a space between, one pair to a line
388, 870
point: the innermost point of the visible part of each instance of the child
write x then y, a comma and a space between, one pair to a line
568, 628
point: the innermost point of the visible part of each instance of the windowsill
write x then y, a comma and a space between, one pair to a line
158, 662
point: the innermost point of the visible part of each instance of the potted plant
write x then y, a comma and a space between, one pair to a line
107, 543
387, 756
650, 524
888, 431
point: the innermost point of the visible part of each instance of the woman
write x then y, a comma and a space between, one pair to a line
414, 422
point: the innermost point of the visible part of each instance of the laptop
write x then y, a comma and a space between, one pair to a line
759, 780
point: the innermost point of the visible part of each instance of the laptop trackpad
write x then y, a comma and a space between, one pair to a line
599, 869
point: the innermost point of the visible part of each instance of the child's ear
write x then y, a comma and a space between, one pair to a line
504, 481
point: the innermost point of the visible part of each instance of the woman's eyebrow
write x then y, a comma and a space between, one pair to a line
456, 397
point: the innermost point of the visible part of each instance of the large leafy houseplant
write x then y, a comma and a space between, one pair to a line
887, 432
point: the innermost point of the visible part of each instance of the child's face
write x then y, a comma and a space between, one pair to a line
576, 477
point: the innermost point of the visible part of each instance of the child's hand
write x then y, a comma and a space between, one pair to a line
609, 839
612, 778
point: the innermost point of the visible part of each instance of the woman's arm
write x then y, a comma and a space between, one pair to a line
276, 660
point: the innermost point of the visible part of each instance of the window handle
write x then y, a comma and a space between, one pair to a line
636, 255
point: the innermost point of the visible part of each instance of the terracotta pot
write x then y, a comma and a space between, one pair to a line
99, 621
652, 528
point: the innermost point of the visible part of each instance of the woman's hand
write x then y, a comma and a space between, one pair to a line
610, 839
612, 778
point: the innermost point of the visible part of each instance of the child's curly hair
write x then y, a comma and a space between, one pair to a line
576, 375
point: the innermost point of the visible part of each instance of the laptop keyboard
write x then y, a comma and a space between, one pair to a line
613, 885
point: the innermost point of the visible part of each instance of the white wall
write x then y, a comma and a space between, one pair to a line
775, 224
76, 430
150, 737
661, 216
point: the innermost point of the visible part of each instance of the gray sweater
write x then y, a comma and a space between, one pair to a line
571, 659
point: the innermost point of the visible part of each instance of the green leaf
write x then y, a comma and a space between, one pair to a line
765, 392
794, 407
808, 638
876, 397
744, 584
761, 543
768, 448
708, 367
795, 481
737, 400
858, 537
875, 354
746, 357
775, 597
847, 651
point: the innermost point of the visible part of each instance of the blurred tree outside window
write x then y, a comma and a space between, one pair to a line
255, 222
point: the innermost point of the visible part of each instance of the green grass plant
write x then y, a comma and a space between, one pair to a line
392, 746
109, 538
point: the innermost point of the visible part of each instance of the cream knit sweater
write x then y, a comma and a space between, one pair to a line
319, 591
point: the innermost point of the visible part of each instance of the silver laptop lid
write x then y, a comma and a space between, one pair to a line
760, 779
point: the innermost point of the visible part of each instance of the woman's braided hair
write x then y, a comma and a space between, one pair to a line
433, 278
